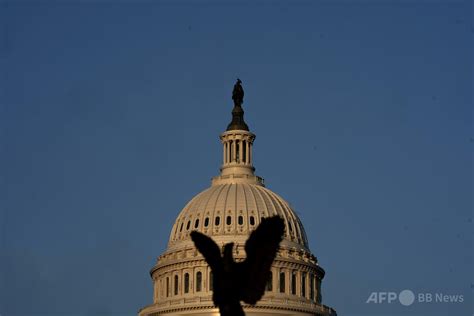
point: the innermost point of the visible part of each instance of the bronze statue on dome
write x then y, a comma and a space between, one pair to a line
238, 93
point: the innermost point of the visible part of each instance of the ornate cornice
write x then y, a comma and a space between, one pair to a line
200, 262
264, 305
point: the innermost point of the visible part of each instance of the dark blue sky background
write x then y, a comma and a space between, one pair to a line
110, 117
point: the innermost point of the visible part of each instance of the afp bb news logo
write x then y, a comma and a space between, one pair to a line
408, 297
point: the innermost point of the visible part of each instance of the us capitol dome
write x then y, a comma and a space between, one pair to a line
228, 211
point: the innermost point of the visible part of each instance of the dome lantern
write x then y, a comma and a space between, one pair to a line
237, 144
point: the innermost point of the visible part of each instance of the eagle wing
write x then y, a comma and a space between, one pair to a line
208, 248
261, 248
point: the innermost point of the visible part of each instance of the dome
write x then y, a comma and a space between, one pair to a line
235, 209
228, 211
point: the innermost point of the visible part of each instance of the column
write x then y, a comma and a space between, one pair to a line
247, 152
223, 152
233, 150
275, 276
250, 153
238, 153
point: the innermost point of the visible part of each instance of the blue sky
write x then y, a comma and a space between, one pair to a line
110, 116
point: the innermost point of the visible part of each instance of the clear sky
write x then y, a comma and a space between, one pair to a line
110, 116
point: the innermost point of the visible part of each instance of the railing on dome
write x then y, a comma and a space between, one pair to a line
240, 176
277, 303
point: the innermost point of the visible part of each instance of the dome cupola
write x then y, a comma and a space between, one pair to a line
237, 142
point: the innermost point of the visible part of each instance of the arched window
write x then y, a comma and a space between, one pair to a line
282, 282
244, 151
167, 286
211, 280
229, 220
303, 284
241, 220
198, 281
188, 225
311, 286
206, 222
186, 283
196, 223
252, 220
181, 227
217, 221
269, 286
293, 283
176, 285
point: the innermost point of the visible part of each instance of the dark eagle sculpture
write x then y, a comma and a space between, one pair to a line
241, 281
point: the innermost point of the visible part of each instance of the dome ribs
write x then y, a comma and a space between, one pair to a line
214, 198
291, 222
292, 219
249, 198
303, 232
238, 206
231, 199
250, 202
260, 205
212, 215
285, 216
183, 216
241, 205
251, 212
231, 209
216, 210
270, 201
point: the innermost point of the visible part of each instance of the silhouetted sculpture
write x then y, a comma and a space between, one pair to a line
241, 281
238, 93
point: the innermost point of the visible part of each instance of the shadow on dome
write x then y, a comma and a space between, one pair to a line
246, 280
